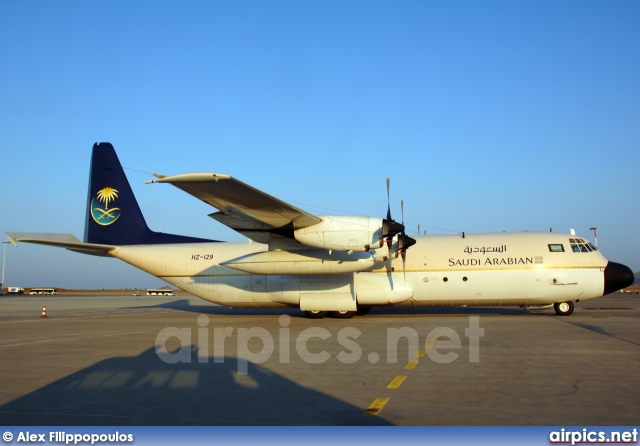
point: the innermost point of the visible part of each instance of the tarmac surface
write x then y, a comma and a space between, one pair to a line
124, 360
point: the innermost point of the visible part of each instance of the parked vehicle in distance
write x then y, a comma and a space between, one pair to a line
136, 293
161, 292
43, 291
15, 290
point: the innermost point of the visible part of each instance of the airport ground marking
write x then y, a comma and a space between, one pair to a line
375, 407
396, 382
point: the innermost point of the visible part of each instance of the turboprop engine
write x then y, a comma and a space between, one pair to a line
343, 233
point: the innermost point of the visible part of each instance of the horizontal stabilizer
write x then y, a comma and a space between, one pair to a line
60, 240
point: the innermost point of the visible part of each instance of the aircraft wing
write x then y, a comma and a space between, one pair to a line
60, 240
243, 208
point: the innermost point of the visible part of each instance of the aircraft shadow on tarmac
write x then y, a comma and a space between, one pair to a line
144, 390
185, 305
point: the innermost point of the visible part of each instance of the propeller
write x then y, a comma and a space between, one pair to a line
390, 227
404, 241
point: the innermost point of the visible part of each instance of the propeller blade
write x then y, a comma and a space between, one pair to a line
388, 200
390, 227
404, 265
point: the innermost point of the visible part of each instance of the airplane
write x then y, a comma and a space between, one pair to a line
330, 265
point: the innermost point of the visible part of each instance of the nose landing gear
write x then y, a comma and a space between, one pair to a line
563, 308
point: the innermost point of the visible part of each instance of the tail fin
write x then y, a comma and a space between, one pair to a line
113, 215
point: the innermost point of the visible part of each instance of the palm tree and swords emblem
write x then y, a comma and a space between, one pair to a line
105, 216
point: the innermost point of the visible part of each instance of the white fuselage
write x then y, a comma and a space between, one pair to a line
484, 269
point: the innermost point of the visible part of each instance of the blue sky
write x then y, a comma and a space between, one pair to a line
487, 116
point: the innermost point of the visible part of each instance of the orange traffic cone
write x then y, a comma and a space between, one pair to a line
44, 311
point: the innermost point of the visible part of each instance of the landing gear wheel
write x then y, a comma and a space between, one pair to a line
362, 311
563, 308
316, 314
343, 314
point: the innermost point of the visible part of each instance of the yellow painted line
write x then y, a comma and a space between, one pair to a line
411, 365
375, 407
427, 346
420, 354
395, 383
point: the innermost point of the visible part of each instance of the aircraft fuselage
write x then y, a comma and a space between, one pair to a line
482, 269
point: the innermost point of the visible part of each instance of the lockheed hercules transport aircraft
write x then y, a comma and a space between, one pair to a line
330, 264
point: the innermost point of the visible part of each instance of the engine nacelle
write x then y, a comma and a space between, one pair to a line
343, 233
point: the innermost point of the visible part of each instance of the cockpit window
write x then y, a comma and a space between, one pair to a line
580, 245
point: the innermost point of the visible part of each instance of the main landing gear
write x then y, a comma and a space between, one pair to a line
563, 308
337, 314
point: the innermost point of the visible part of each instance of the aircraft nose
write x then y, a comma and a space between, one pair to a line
616, 277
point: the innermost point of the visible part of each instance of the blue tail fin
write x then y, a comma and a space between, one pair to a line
113, 214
